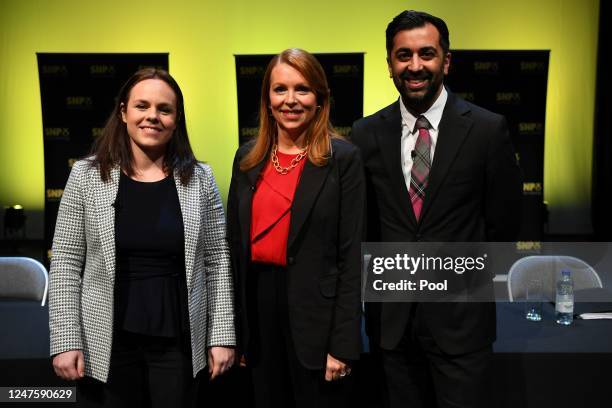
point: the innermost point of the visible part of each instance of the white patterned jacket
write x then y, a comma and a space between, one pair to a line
82, 274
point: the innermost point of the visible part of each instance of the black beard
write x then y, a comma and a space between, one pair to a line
417, 103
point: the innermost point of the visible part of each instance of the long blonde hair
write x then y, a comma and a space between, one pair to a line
320, 131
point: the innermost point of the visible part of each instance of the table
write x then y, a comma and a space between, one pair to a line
543, 364
537, 364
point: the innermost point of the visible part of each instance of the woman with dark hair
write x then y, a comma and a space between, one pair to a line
295, 212
140, 296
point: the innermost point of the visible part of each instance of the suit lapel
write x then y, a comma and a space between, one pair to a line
454, 128
105, 195
306, 194
189, 199
389, 136
246, 203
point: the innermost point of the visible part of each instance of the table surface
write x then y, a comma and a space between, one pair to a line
24, 331
515, 334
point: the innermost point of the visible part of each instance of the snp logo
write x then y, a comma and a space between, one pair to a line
79, 102
248, 131
532, 67
508, 98
54, 70
486, 67
96, 132
343, 130
57, 133
468, 96
54, 194
102, 70
528, 246
345, 70
530, 128
532, 188
252, 71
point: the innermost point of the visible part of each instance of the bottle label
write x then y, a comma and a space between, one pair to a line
564, 305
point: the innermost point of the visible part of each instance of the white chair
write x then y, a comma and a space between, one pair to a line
23, 278
547, 269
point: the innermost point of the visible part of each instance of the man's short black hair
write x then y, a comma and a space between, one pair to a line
409, 19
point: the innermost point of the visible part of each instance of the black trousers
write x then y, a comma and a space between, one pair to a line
417, 374
278, 377
145, 371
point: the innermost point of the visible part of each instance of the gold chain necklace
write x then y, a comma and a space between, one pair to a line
294, 162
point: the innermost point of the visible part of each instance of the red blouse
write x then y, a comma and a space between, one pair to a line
271, 211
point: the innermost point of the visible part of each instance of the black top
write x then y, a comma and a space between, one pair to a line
150, 289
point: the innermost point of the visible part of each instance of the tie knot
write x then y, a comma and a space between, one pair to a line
422, 123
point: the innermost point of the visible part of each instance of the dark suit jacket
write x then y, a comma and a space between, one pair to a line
473, 195
323, 249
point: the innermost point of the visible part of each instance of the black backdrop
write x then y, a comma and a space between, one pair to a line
77, 93
602, 141
344, 76
512, 83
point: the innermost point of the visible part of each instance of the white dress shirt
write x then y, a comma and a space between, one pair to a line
410, 134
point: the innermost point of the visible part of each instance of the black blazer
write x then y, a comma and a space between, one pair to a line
323, 250
474, 194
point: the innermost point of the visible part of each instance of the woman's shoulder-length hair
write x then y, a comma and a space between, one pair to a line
112, 148
320, 131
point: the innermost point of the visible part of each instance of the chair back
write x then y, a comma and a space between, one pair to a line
547, 269
23, 278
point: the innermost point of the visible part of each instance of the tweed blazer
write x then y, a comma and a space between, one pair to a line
82, 274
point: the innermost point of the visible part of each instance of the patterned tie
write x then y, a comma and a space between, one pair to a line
421, 163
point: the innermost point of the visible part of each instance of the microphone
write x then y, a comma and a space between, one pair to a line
412, 154
253, 186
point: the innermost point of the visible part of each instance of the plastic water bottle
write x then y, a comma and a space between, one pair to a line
564, 304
